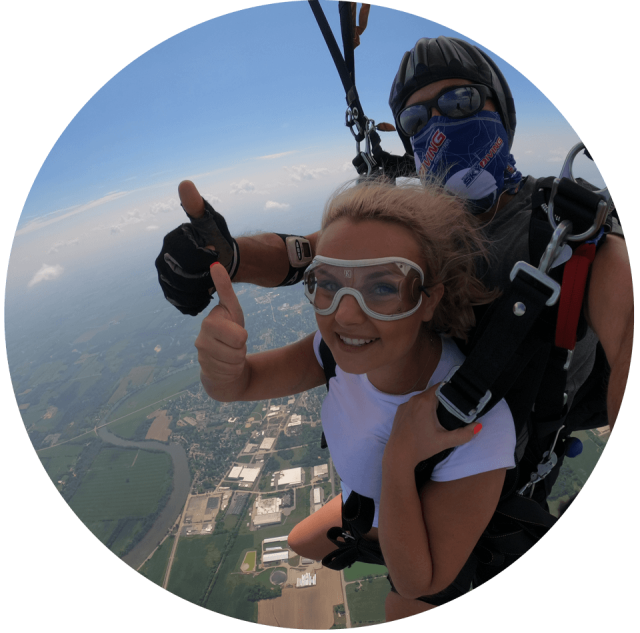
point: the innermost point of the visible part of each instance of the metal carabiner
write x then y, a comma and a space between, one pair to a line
351, 121
367, 155
547, 464
604, 206
558, 240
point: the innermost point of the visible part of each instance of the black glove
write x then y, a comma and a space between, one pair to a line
183, 263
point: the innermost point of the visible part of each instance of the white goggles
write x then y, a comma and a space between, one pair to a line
386, 288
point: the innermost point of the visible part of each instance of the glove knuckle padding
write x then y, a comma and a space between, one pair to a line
211, 229
184, 261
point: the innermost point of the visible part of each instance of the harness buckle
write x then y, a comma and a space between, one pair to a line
469, 417
602, 210
540, 276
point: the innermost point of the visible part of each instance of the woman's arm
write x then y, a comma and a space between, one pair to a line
426, 538
229, 375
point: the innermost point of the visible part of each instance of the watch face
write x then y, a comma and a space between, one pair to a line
298, 251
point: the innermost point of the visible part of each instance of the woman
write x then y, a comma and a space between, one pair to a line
392, 281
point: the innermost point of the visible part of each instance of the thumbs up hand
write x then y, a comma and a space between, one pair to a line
222, 342
189, 250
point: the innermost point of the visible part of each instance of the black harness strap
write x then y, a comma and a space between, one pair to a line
388, 164
329, 366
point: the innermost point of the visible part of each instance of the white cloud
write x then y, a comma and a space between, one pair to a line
58, 245
276, 205
164, 207
243, 186
302, 172
50, 218
556, 156
134, 216
152, 227
46, 273
272, 156
211, 199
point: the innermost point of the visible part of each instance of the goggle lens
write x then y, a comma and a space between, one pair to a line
389, 289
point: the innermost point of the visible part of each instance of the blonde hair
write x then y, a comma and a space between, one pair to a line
449, 238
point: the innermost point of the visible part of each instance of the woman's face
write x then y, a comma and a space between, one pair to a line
362, 344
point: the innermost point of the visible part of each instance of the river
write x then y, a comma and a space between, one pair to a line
169, 514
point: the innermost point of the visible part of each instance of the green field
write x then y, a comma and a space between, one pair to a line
121, 492
154, 569
361, 570
366, 604
195, 561
58, 460
127, 418
152, 396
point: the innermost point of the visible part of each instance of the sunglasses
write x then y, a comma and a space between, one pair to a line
456, 103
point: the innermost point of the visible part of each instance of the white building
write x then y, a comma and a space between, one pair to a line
267, 443
296, 420
289, 477
246, 474
306, 580
275, 556
321, 471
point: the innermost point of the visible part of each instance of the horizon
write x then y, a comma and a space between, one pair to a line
180, 111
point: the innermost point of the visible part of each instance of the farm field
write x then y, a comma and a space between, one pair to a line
155, 568
360, 570
122, 488
58, 460
195, 560
126, 419
366, 603
159, 391
304, 608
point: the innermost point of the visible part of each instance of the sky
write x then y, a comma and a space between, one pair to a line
250, 107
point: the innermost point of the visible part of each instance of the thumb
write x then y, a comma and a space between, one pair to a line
190, 199
226, 294
458, 437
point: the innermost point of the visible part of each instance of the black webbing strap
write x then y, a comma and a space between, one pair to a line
357, 519
353, 101
502, 348
347, 29
516, 526
329, 366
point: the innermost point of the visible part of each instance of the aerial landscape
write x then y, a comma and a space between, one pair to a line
196, 495
191, 496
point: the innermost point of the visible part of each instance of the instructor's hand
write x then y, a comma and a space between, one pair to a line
188, 252
221, 344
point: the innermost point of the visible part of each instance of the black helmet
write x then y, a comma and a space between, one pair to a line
433, 59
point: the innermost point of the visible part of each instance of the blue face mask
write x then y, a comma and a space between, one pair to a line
471, 155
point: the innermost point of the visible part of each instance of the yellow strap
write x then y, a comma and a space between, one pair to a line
364, 16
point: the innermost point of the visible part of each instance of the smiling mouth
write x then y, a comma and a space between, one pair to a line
356, 342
